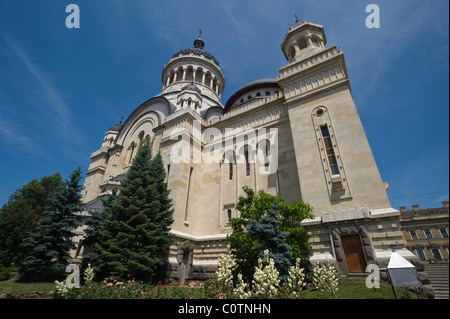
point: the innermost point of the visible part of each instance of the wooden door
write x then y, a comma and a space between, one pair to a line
354, 254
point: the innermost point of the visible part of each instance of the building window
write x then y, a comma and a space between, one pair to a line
229, 158
421, 254
258, 94
444, 232
436, 253
329, 150
133, 146
186, 215
247, 162
413, 235
315, 42
229, 216
249, 97
428, 234
267, 93
141, 139
302, 44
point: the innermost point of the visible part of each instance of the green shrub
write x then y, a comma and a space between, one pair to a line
6, 272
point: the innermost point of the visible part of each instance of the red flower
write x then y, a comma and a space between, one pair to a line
94, 290
165, 287
160, 282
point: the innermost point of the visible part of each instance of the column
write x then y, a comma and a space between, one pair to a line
203, 77
194, 73
184, 73
308, 40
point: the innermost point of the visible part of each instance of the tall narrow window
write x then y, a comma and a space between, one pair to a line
247, 162
330, 150
188, 191
428, 234
444, 232
133, 146
168, 172
267, 154
421, 254
229, 216
436, 253
413, 235
230, 172
141, 139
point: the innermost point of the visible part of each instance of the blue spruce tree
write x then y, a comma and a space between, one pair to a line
266, 229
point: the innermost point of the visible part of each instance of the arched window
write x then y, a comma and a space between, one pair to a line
329, 150
258, 94
132, 147
267, 93
141, 139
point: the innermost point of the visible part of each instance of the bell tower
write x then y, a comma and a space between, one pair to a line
303, 39
336, 166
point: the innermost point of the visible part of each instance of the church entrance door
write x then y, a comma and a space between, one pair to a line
354, 255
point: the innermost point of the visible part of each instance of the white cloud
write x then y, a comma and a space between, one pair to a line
51, 94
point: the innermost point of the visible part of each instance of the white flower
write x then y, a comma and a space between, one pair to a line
227, 264
324, 278
89, 274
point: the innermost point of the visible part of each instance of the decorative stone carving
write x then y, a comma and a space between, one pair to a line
338, 231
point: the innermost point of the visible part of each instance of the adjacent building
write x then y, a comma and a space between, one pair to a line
426, 232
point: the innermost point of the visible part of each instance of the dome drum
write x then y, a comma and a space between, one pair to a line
197, 66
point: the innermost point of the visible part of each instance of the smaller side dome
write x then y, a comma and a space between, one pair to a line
253, 90
116, 127
191, 87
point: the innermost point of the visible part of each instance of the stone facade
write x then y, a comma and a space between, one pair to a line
321, 157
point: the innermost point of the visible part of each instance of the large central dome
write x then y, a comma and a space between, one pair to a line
194, 66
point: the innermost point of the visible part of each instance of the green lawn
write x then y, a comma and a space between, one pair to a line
349, 288
355, 288
19, 287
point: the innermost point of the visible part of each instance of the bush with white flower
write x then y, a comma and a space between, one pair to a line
227, 264
296, 282
88, 274
265, 280
324, 278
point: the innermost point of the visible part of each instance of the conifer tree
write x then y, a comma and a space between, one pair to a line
95, 225
267, 231
136, 235
51, 241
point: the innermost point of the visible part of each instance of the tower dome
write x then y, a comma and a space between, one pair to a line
302, 39
197, 66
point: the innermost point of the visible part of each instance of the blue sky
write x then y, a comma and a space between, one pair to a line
61, 89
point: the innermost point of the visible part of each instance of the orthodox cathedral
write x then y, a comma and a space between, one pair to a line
297, 135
